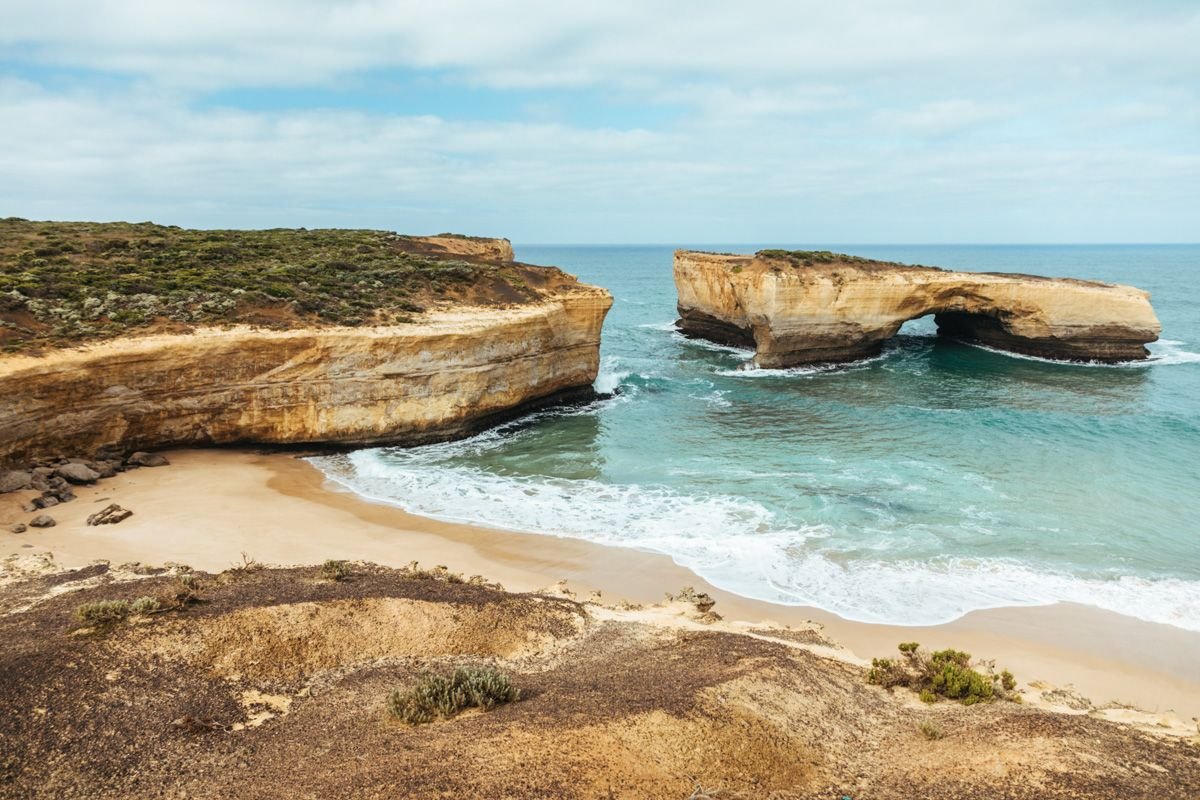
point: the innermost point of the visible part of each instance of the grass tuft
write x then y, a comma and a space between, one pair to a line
930, 731
443, 696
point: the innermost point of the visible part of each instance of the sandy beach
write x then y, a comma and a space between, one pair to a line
211, 506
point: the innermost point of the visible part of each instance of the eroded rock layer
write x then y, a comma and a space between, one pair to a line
802, 308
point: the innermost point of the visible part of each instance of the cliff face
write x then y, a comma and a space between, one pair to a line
438, 379
797, 308
468, 247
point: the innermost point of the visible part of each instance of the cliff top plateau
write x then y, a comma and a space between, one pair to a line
70, 283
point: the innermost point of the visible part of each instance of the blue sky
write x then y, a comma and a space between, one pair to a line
619, 121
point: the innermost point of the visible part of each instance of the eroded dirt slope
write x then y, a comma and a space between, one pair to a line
275, 686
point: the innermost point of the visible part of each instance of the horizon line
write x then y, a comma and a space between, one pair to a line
860, 244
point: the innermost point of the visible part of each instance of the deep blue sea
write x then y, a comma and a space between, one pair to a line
911, 488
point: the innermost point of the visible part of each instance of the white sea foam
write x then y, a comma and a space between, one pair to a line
1164, 352
705, 344
1170, 351
660, 326
738, 545
805, 371
610, 376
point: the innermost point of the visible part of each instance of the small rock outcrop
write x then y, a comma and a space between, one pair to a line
109, 515
812, 307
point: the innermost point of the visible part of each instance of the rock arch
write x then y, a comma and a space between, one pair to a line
796, 307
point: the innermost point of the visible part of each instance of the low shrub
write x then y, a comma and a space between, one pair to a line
942, 673
930, 731
145, 605
443, 696
183, 592
439, 573
248, 567
103, 612
334, 570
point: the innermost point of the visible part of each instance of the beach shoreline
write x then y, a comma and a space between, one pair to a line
211, 506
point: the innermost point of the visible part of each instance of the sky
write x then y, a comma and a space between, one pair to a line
647, 121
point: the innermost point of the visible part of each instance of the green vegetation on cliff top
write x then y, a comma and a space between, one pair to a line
64, 283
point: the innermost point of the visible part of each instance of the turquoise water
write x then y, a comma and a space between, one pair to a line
935, 479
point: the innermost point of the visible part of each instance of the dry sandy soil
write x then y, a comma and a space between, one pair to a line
275, 685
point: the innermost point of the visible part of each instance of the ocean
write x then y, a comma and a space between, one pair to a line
933, 480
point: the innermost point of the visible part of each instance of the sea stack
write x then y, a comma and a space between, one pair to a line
171, 337
806, 307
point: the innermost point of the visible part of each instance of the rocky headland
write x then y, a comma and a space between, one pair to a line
804, 307
136, 337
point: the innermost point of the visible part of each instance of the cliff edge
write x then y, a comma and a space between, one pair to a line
342, 337
801, 307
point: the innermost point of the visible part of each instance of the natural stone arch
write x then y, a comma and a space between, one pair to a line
803, 307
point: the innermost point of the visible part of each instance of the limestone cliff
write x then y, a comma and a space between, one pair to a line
797, 308
502, 340
438, 379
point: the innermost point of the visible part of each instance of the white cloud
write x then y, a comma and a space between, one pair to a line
150, 156
542, 42
787, 120
942, 117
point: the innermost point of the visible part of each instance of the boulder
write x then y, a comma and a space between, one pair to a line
45, 501
18, 528
42, 521
15, 481
141, 459
78, 474
107, 469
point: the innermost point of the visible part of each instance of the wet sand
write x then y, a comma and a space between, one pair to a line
211, 506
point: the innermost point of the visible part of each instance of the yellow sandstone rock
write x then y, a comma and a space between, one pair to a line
445, 376
799, 308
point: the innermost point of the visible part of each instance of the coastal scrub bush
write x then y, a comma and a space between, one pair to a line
808, 258
942, 673
145, 605
184, 591
439, 573
334, 570
248, 566
103, 612
443, 696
